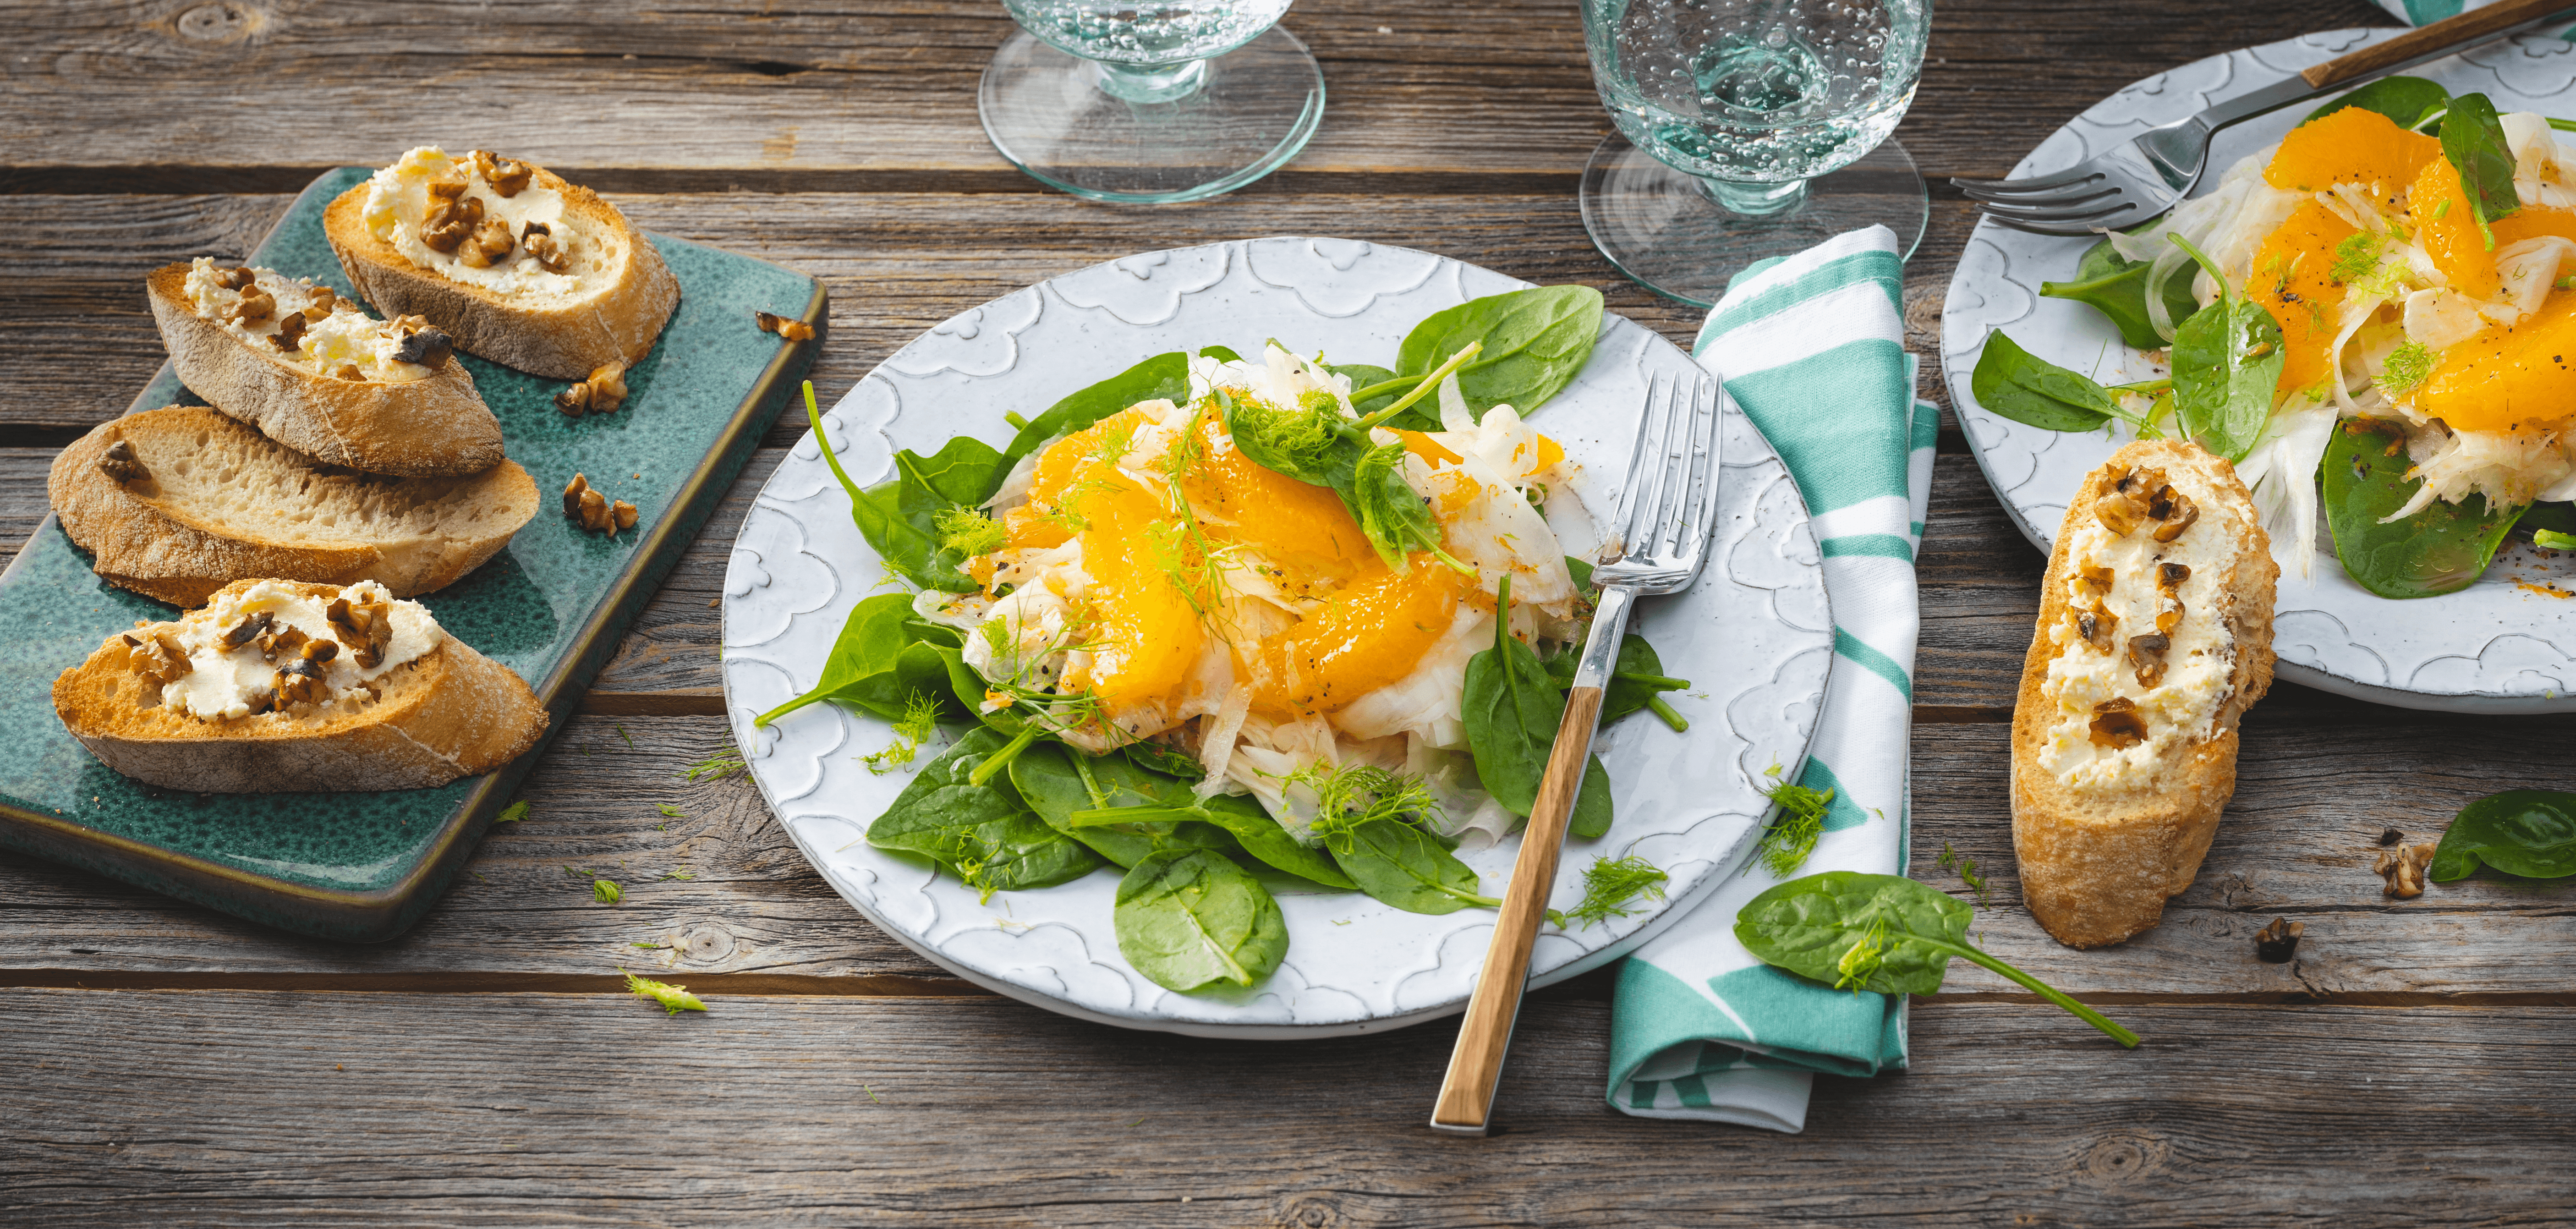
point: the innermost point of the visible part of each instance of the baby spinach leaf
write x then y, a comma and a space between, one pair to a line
2527, 832
2021, 386
1243, 820
1165, 376
1396, 520
1512, 708
2405, 100
1122, 796
1188, 918
1168, 760
2473, 140
2116, 286
981, 833
1883, 933
1404, 866
1535, 342
2226, 368
869, 641
1058, 782
2438, 550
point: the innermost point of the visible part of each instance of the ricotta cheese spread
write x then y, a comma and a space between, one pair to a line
401, 199
224, 682
2125, 711
335, 334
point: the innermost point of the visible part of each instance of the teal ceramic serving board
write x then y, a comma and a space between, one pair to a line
363, 867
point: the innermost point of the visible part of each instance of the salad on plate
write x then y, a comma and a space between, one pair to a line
1229, 624
2374, 319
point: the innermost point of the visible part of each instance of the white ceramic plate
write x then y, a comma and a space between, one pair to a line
2492, 647
1755, 636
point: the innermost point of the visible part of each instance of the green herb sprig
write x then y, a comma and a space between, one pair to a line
674, 999
1793, 833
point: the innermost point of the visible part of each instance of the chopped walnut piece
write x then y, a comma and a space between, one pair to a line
574, 401
2096, 577
320, 650
290, 327
594, 512
572, 495
2276, 943
623, 513
792, 330
604, 391
2120, 512
2180, 515
156, 659
121, 464
450, 185
451, 223
425, 345
2404, 869
490, 242
542, 247
365, 627
2169, 576
250, 628
300, 681
2390, 836
2100, 628
235, 278
2147, 658
282, 640
508, 176
349, 371
255, 305
2119, 729
325, 301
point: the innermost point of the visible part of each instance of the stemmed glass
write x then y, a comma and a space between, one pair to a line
1748, 129
1150, 100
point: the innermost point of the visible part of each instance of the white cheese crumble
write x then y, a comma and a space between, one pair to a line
346, 337
2182, 707
221, 682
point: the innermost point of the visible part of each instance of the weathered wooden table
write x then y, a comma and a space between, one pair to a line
165, 1064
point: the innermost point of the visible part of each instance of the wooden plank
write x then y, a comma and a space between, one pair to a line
854, 95
252, 1108
2314, 792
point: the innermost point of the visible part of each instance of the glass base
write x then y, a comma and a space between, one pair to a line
1671, 233
1178, 133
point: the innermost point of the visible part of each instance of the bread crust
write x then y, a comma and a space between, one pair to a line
144, 539
450, 713
619, 324
434, 425
2096, 868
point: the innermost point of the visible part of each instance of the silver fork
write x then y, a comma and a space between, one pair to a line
2123, 187
1663, 529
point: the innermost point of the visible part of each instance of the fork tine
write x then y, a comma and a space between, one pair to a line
1639, 530
2070, 194
1674, 486
2028, 183
1690, 529
2113, 220
1636, 468
2061, 215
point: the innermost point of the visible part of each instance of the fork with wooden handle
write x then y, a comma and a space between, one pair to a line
1665, 517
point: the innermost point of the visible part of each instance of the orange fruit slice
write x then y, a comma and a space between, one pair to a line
2505, 376
2293, 277
2447, 229
2350, 146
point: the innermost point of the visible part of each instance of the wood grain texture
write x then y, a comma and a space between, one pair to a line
233, 1108
852, 94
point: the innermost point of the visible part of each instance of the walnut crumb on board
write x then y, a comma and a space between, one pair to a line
792, 330
2404, 869
2276, 943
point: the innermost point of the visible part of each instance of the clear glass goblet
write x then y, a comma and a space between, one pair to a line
1748, 129
1150, 100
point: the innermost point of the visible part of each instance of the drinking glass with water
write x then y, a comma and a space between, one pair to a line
1150, 100
1748, 129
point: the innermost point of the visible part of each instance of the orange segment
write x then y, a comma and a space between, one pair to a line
1302, 528
1369, 635
2349, 146
2293, 278
2447, 230
1146, 635
2532, 222
2511, 375
1427, 448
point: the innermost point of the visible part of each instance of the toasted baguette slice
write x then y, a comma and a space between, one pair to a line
2119, 772
625, 292
218, 502
447, 713
433, 424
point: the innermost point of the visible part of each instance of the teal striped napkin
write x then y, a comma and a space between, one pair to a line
1812, 347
